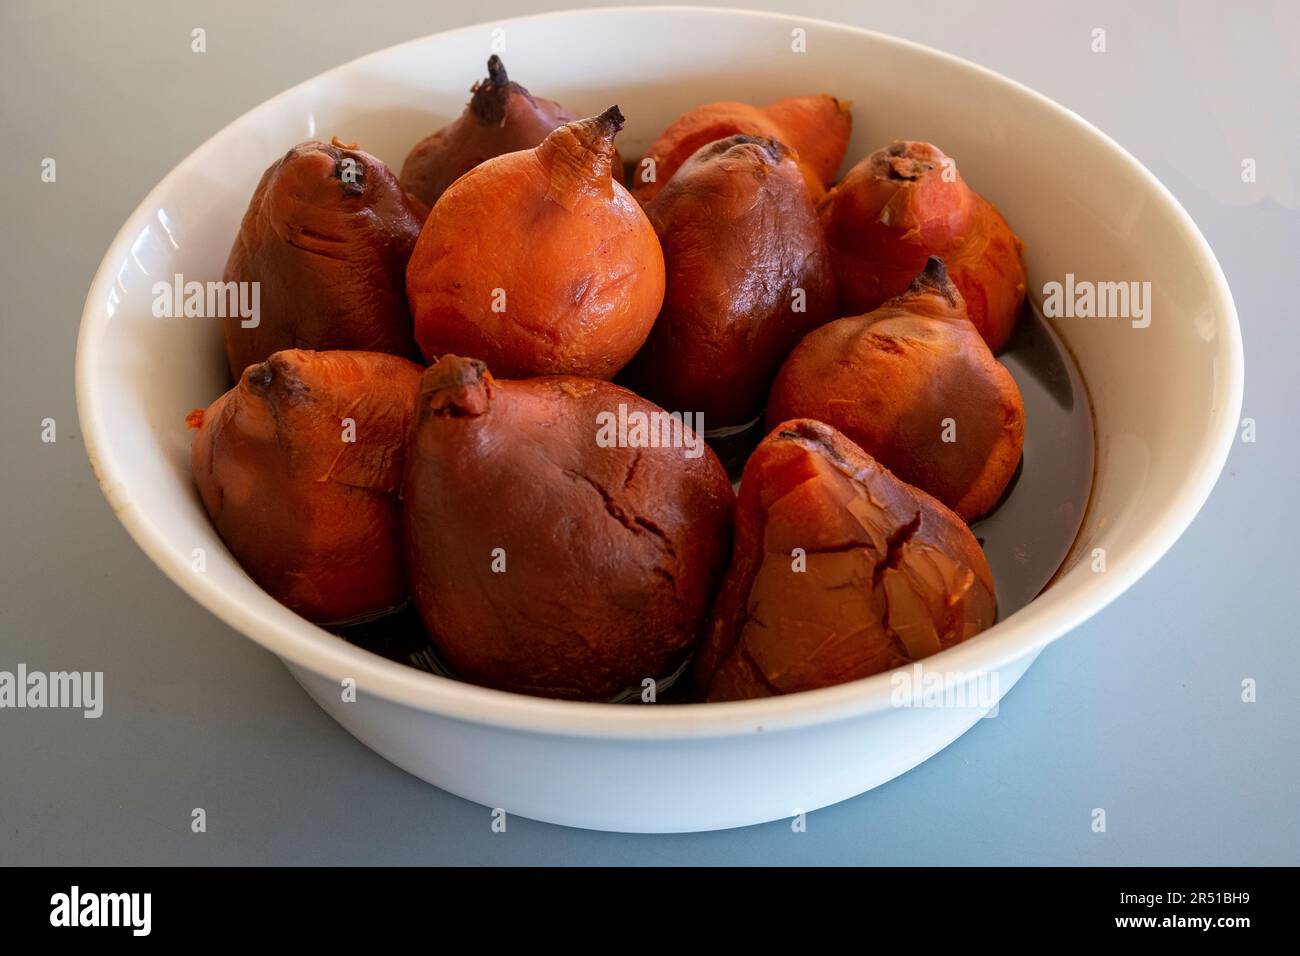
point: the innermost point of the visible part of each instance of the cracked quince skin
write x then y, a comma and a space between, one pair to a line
839, 571
542, 562
890, 379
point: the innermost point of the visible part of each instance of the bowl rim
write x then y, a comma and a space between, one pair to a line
302, 644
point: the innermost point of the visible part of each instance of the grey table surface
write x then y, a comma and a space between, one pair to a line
1138, 712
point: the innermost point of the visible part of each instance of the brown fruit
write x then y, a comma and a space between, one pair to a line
747, 276
537, 262
816, 128
299, 467
327, 236
905, 203
914, 386
501, 117
542, 561
886, 574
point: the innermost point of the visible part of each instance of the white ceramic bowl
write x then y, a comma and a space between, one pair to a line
1166, 398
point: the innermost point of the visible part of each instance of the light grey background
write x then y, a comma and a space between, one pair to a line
1138, 712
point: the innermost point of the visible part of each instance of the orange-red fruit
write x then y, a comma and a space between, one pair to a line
537, 262
501, 117
839, 571
326, 236
299, 467
748, 275
905, 203
815, 127
545, 560
914, 386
